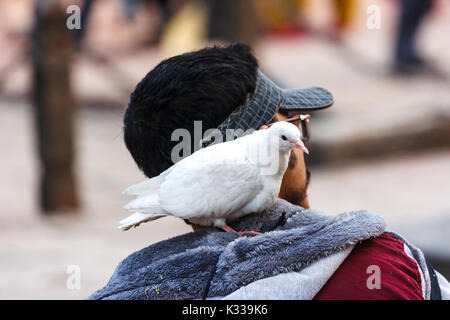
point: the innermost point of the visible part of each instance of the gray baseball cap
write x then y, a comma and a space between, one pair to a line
266, 101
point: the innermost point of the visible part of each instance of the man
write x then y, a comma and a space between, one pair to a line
407, 59
300, 253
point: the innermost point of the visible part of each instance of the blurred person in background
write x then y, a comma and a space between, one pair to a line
129, 10
343, 13
344, 10
284, 18
165, 7
407, 59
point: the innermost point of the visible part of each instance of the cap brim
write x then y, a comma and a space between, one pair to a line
267, 100
314, 98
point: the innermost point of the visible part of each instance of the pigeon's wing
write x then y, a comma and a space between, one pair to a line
214, 188
235, 148
148, 185
152, 185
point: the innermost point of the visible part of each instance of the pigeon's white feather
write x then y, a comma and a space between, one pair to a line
136, 219
144, 201
146, 185
219, 182
209, 189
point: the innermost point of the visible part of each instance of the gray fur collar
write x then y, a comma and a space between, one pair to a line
211, 263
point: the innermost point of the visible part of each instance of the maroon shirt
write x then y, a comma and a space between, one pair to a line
399, 274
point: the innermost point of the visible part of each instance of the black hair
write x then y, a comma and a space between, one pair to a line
205, 85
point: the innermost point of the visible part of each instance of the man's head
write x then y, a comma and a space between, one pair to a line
222, 88
206, 85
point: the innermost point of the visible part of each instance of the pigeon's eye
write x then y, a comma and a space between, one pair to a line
283, 137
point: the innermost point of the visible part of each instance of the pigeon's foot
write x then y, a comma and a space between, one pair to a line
240, 233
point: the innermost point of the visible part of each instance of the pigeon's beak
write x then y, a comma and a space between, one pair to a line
299, 145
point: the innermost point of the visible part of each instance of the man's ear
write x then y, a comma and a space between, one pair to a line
275, 119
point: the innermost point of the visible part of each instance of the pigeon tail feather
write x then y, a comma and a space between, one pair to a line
137, 218
145, 186
148, 203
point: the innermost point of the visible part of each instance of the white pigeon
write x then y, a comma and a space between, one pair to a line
222, 182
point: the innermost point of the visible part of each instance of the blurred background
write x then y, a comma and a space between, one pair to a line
65, 78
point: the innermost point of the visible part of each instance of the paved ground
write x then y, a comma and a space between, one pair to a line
36, 250
410, 190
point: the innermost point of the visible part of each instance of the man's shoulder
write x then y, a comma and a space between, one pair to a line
383, 267
209, 263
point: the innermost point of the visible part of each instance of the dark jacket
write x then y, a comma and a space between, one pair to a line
299, 255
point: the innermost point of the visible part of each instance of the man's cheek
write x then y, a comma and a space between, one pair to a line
294, 184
